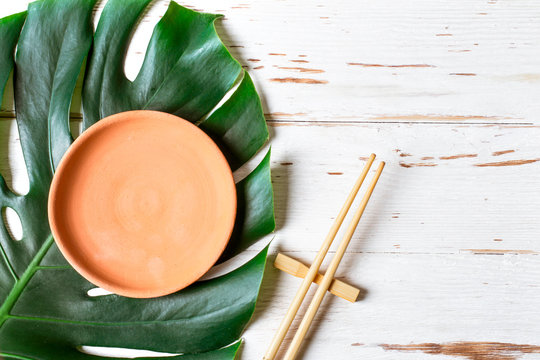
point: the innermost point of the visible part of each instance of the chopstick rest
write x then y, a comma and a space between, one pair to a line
296, 268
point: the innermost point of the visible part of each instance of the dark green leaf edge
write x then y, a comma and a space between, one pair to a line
6, 57
244, 97
256, 218
239, 117
225, 353
49, 241
55, 336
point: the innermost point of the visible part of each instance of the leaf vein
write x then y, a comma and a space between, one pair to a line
121, 324
14, 356
59, 267
19, 286
8, 263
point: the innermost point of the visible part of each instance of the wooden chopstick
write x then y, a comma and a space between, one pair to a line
329, 275
314, 268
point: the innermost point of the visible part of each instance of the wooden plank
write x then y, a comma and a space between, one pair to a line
414, 299
445, 189
415, 62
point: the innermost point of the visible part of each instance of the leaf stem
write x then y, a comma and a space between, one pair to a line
19, 286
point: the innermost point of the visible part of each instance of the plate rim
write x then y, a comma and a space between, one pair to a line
80, 142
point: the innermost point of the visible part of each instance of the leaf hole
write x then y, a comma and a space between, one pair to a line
121, 352
12, 165
75, 107
96, 12
140, 38
75, 127
98, 292
238, 260
13, 223
225, 97
243, 171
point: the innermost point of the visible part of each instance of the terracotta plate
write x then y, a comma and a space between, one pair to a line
142, 204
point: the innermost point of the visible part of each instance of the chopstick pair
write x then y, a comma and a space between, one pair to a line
314, 269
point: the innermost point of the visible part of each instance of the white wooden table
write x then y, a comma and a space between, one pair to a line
448, 94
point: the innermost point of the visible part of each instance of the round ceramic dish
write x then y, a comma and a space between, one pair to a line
142, 204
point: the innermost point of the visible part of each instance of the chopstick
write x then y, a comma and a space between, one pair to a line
314, 268
329, 275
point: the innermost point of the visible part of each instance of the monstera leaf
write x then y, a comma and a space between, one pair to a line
46, 311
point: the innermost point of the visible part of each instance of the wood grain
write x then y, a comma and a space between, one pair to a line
410, 60
470, 350
445, 93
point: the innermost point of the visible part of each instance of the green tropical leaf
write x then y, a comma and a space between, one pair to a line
46, 311
205, 316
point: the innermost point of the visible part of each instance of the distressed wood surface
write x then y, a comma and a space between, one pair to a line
447, 94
